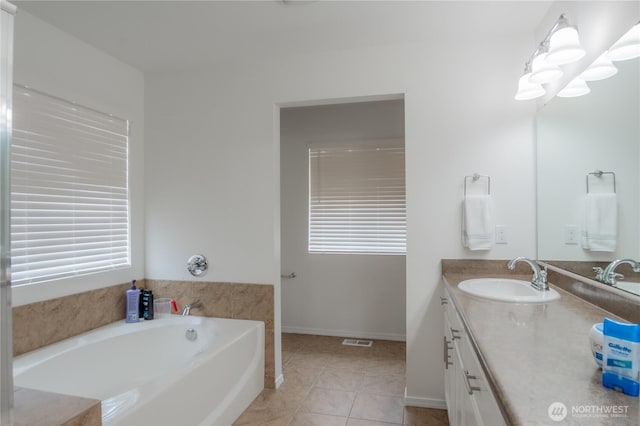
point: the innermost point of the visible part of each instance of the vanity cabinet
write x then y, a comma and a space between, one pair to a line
468, 396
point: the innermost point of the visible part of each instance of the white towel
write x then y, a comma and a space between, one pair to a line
600, 222
477, 222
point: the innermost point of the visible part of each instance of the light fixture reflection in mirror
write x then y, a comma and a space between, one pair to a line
575, 136
576, 87
600, 69
628, 46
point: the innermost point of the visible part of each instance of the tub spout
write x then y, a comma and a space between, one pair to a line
187, 308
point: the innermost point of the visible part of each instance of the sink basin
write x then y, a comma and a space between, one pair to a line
507, 290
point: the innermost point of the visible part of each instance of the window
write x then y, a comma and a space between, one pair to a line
69, 189
357, 198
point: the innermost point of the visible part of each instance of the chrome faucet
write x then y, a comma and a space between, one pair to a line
609, 275
539, 280
187, 308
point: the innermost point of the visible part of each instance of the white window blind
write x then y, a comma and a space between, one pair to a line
69, 189
357, 198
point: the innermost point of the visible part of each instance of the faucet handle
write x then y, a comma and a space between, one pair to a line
614, 277
599, 273
543, 275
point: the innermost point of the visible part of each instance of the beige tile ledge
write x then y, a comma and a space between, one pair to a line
34, 407
537, 354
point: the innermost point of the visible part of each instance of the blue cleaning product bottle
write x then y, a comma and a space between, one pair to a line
621, 356
133, 297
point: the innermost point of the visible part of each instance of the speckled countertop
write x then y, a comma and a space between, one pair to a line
538, 354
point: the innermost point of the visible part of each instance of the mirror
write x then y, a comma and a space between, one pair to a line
576, 137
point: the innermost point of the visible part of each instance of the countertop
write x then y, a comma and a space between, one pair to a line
537, 354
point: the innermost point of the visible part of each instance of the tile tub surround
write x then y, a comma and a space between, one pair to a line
44, 323
537, 354
226, 300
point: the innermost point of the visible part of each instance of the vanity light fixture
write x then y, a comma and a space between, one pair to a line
542, 71
561, 46
576, 87
628, 46
600, 69
564, 43
526, 89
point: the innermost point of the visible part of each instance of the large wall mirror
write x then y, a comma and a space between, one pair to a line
576, 137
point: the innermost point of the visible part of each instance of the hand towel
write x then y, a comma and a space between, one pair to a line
600, 222
477, 222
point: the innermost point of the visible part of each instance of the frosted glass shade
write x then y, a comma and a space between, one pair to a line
577, 87
600, 69
528, 90
543, 72
564, 47
628, 47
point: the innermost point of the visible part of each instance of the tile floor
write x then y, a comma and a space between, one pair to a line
329, 384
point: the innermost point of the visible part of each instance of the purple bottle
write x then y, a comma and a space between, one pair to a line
133, 303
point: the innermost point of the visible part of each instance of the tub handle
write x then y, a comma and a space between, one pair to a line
198, 265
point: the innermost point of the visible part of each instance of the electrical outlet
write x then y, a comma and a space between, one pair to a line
502, 234
571, 234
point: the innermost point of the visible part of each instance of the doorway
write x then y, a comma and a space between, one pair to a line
335, 293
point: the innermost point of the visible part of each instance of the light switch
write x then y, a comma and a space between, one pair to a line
502, 234
571, 234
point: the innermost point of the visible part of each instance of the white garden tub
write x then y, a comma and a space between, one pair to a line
149, 373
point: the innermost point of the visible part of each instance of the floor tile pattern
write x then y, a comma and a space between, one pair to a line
329, 384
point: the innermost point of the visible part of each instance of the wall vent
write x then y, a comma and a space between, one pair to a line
358, 342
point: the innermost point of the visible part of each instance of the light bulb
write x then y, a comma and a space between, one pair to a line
628, 46
528, 90
600, 69
543, 72
564, 46
576, 87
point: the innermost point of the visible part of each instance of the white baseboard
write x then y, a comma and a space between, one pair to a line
345, 333
279, 381
416, 401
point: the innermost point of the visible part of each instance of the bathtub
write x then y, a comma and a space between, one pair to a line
149, 373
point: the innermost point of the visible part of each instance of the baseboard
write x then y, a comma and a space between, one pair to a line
415, 401
345, 333
279, 381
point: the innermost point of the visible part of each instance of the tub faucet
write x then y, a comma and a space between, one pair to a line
539, 280
187, 308
609, 275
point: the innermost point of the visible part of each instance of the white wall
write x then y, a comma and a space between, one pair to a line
56, 63
599, 131
213, 176
335, 294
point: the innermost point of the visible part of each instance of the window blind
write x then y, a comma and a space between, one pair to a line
357, 198
69, 189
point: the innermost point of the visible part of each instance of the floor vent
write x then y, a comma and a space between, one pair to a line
358, 342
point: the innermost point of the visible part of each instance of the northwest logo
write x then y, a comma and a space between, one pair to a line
557, 411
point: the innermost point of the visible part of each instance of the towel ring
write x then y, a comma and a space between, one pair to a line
598, 174
476, 177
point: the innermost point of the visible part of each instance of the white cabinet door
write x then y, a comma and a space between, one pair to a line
469, 399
